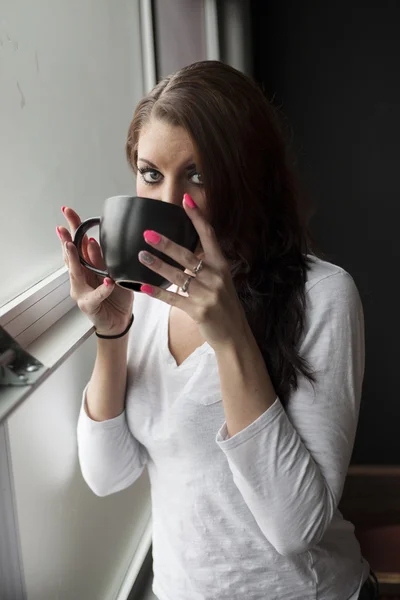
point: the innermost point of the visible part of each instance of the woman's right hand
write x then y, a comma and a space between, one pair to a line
107, 305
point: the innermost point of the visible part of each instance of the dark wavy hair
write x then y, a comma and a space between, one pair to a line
253, 201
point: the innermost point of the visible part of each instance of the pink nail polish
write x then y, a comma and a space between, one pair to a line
58, 232
63, 208
107, 282
92, 240
152, 236
189, 201
147, 289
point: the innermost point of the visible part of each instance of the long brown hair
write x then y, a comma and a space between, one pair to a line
253, 200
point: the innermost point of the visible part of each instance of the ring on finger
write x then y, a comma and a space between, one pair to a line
198, 268
186, 284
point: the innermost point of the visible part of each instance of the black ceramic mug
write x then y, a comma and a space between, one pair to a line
124, 220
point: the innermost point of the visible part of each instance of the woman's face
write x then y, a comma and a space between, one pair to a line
168, 165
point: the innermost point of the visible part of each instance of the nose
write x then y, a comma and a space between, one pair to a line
172, 193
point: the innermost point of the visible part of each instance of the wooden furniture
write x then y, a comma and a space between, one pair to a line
371, 501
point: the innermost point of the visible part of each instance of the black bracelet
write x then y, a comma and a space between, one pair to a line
114, 337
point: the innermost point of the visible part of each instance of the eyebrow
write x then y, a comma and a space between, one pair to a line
153, 166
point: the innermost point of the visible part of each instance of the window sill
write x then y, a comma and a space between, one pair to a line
51, 348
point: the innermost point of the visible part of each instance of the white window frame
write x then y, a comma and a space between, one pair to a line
211, 30
31, 313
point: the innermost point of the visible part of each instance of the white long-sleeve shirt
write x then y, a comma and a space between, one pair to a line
253, 516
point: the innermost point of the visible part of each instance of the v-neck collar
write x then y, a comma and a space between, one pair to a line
169, 359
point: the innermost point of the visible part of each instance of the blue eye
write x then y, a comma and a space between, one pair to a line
197, 179
150, 176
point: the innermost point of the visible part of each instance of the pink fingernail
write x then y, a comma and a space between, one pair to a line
147, 289
189, 201
152, 236
63, 208
92, 240
58, 232
107, 282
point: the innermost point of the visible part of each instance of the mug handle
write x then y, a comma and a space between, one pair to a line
78, 239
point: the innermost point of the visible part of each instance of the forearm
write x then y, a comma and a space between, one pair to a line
282, 486
105, 398
111, 458
290, 489
247, 390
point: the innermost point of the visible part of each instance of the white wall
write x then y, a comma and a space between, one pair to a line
75, 546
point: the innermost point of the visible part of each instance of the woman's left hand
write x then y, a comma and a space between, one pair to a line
211, 300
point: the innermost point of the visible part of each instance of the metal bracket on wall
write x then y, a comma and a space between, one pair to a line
17, 367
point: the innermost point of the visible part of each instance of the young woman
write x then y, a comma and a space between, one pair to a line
240, 394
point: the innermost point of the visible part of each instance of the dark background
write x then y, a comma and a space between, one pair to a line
334, 69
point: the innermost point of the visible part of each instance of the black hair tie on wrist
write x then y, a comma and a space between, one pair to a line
114, 337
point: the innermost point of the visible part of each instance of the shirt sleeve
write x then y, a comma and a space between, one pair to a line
290, 466
111, 459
